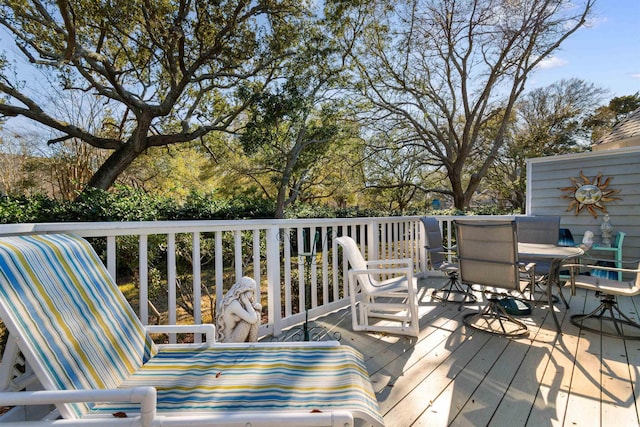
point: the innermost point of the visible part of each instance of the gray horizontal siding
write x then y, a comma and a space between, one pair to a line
545, 177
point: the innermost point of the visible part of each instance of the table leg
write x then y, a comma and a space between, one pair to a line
551, 306
554, 278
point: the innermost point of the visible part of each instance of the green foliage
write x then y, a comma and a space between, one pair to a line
207, 206
607, 116
35, 208
123, 204
166, 72
129, 204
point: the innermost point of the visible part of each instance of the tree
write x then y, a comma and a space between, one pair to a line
391, 172
547, 121
292, 127
13, 160
445, 70
168, 72
607, 116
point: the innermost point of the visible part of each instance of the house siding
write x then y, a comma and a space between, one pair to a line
547, 175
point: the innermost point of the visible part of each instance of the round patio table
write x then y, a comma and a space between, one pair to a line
556, 255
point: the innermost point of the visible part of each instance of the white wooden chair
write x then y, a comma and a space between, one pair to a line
393, 299
98, 364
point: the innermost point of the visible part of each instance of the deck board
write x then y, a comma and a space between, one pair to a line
450, 375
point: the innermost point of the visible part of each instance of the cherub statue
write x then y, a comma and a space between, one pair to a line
238, 316
587, 240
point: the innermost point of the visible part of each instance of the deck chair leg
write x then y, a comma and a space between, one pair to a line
616, 317
452, 289
495, 315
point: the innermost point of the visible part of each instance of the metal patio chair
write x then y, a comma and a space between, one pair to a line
543, 229
488, 257
453, 290
607, 319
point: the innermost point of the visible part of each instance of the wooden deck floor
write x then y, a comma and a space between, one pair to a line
451, 375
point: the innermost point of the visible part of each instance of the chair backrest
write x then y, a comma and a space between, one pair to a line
357, 262
619, 240
538, 229
488, 253
565, 238
435, 247
76, 329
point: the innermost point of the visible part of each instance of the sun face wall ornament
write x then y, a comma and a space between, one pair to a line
589, 194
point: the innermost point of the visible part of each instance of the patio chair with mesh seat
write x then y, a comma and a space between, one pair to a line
543, 229
453, 290
488, 257
608, 319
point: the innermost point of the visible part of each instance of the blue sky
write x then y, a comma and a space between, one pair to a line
606, 53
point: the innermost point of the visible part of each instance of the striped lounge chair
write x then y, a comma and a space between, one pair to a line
96, 362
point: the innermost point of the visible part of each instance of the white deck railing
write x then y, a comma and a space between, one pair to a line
289, 258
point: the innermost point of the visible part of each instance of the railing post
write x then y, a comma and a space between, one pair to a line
274, 298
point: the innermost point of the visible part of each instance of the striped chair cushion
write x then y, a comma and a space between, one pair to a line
79, 332
228, 380
77, 329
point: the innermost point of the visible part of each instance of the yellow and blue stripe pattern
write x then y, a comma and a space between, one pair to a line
56, 295
78, 332
257, 379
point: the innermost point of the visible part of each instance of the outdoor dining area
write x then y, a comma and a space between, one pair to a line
484, 321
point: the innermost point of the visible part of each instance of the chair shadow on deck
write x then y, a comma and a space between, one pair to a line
543, 380
453, 375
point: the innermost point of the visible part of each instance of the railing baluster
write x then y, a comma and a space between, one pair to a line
197, 283
302, 295
237, 250
256, 260
219, 269
111, 256
143, 274
273, 280
286, 233
171, 282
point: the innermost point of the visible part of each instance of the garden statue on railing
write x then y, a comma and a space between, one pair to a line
238, 316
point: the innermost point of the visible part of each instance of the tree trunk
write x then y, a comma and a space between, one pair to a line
117, 163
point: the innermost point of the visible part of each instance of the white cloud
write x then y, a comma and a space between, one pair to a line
635, 75
552, 62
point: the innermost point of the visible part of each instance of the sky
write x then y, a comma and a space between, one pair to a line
606, 53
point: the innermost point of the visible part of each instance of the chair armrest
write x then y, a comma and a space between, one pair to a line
145, 396
603, 267
589, 258
530, 266
573, 266
401, 270
408, 262
208, 329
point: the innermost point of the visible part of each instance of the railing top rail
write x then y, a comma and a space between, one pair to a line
98, 229
94, 229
